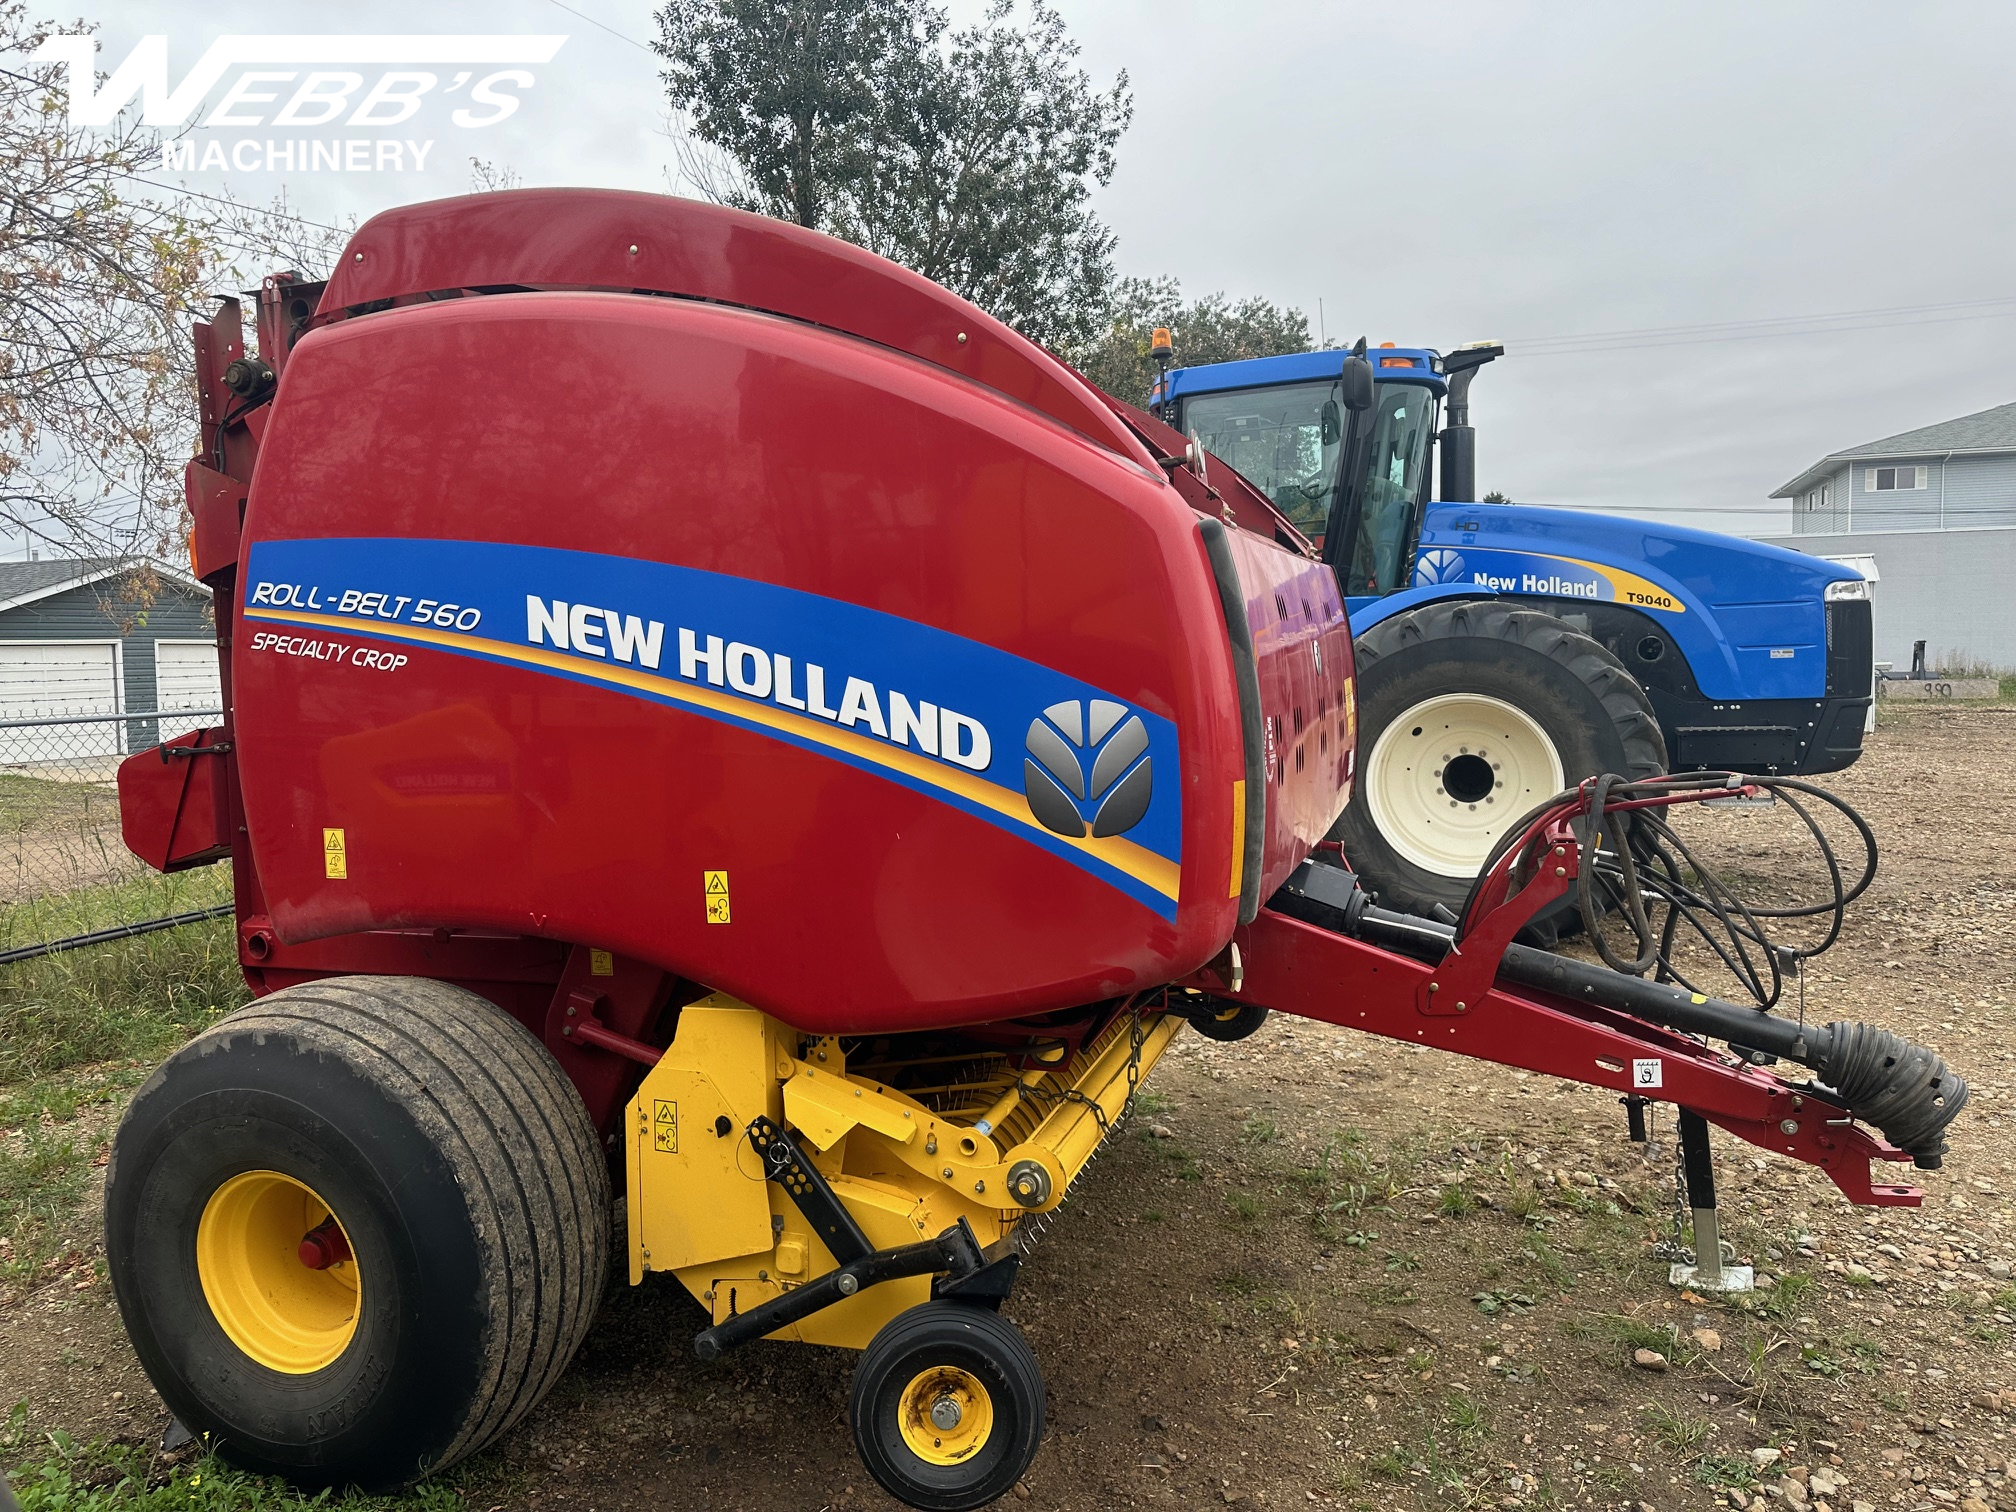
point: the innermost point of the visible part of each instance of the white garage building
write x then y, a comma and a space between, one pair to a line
96, 637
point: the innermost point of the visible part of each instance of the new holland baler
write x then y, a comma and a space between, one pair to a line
712, 713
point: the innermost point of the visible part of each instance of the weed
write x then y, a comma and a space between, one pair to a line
1419, 1360
1243, 1206
1500, 1300
1783, 1300
1725, 1470
1819, 1361
1153, 1102
1866, 1354
1260, 1131
1634, 1335
1238, 1283
1393, 1465
1456, 1201
1677, 1431
1466, 1418
1361, 1239
112, 1478
1153, 1215
1390, 1294
1545, 1259
1396, 1261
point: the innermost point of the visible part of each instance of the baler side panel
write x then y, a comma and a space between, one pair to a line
804, 498
1302, 644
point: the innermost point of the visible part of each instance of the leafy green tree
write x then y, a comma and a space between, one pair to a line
1211, 329
969, 156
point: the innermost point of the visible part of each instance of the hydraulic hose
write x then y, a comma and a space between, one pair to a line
1906, 1091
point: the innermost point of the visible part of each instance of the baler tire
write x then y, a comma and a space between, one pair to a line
956, 1349
469, 1186
1225, 1021
1590, 710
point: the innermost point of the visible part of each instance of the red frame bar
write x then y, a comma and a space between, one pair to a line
1314, 973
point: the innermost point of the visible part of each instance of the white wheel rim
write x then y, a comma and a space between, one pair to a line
1425, 780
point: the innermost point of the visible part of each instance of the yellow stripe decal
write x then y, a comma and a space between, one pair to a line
1138, 862
1238, 837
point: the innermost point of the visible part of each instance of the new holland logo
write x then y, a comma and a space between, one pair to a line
1438, 566
1088, 768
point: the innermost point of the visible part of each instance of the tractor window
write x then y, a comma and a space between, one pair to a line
1396, 476
1283, 440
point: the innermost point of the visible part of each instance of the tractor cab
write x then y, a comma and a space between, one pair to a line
1283, 423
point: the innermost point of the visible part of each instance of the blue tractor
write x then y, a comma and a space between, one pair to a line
1505, 651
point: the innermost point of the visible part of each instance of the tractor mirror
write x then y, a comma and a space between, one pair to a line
1357, 384
1333, 422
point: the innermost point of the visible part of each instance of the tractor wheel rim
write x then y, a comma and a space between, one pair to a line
1447, 776
944, 1395
270, 1303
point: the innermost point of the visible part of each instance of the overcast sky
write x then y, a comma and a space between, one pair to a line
1438, 173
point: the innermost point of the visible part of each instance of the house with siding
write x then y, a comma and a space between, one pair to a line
1936, 508
85, 638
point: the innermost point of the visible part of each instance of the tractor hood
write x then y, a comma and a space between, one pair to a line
1751, 617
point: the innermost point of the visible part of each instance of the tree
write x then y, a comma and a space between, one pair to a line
968, 156
1212, 329
1495, 497
98, 284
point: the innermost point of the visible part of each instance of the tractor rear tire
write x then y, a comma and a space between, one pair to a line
1472, 712
402, 1131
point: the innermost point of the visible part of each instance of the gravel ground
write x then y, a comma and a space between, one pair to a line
1319, 1268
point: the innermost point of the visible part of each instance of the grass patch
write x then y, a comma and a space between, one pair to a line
132, 998
1260, 1131
1456, 1201
70, 1477
1725, 1470
1683, 1433
1243, 1207
1784, 1299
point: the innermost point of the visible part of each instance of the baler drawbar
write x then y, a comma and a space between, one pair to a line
712, 716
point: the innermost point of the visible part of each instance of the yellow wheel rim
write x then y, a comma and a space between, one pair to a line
269, 1302
946, 1415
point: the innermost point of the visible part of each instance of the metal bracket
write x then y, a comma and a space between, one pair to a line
809, 1190
170, 752
1470, 970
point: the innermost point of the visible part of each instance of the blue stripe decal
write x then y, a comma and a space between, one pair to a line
932, 711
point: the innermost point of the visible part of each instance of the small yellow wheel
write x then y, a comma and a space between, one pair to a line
277, 1270
947, 1407
946, 1415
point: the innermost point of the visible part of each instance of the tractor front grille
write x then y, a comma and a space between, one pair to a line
1851, 647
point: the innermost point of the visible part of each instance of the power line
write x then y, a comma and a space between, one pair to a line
224, 199
1783, 326
619, 36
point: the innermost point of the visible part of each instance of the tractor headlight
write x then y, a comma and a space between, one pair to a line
1847, 589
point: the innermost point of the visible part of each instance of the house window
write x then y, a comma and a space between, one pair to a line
1885, 479
1820, 498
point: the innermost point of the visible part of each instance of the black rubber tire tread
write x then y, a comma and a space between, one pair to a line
948, 1332
1241, 1025
1626, 731
499, 1111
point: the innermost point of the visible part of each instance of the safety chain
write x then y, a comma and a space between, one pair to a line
1673, 1249
1137, 1037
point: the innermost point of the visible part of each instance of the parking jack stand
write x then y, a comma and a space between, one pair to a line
1708, 1273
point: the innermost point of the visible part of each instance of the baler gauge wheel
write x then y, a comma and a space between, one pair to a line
947, 1406
1223, 1019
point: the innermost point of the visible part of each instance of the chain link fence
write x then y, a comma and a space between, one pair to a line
66, 877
